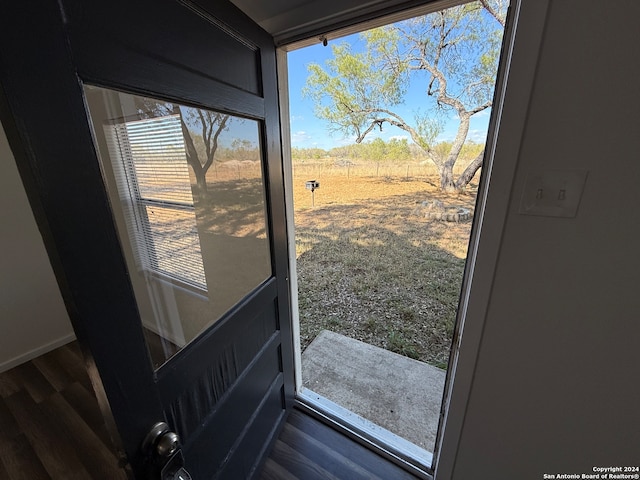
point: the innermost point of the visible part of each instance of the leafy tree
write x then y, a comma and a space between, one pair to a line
308, 153
243, 149
454, 53
377, 149
398, 149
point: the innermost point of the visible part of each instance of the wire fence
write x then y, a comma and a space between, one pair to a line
390, 170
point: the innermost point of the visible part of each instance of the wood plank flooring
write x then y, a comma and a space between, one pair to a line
307, 449
50, 423
51, 428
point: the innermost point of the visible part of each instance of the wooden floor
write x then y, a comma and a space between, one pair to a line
50, 423
307, 449
51, 428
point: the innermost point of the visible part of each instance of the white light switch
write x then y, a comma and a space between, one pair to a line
553, 193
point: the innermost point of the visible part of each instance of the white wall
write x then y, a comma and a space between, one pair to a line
33, 319
557, 383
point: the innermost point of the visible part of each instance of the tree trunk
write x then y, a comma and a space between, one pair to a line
447, 183
201, 180
194, 160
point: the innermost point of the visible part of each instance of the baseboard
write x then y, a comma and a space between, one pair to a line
36, 352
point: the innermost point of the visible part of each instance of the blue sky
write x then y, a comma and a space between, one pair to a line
308, 131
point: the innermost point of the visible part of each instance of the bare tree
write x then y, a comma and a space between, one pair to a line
210, 125
201, 131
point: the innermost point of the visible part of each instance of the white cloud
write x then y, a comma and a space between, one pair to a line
399, 137
299, 137
296, 118
445, 137
477, 135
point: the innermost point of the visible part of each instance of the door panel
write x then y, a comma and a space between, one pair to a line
208, 38
124, 36
227, 390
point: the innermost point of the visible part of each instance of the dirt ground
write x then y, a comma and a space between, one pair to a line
372, 266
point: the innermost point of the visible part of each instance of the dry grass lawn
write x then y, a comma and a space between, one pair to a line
371, 265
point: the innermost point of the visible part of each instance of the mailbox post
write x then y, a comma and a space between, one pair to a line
312, 185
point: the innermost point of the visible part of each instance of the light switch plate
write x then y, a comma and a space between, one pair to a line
553, 193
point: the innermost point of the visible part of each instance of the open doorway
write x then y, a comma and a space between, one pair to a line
383, 212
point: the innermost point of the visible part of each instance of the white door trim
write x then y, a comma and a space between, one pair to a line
513, 93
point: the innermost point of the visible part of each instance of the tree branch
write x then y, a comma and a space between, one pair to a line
205, 137
362, 135
492, 12
214, 143
443, 96
397, 121
461, 137
480, 108
468, 173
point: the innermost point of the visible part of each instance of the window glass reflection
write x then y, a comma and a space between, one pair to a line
188, 197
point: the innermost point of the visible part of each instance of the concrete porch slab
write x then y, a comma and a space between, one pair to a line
395, 392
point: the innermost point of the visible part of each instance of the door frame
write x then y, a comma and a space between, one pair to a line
514, 85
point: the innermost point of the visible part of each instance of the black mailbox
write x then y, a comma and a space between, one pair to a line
312, 185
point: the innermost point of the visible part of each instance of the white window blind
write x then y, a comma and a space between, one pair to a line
153, 181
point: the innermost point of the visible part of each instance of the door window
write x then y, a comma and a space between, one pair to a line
187, 191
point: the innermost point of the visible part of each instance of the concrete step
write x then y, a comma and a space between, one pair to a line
397, 393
